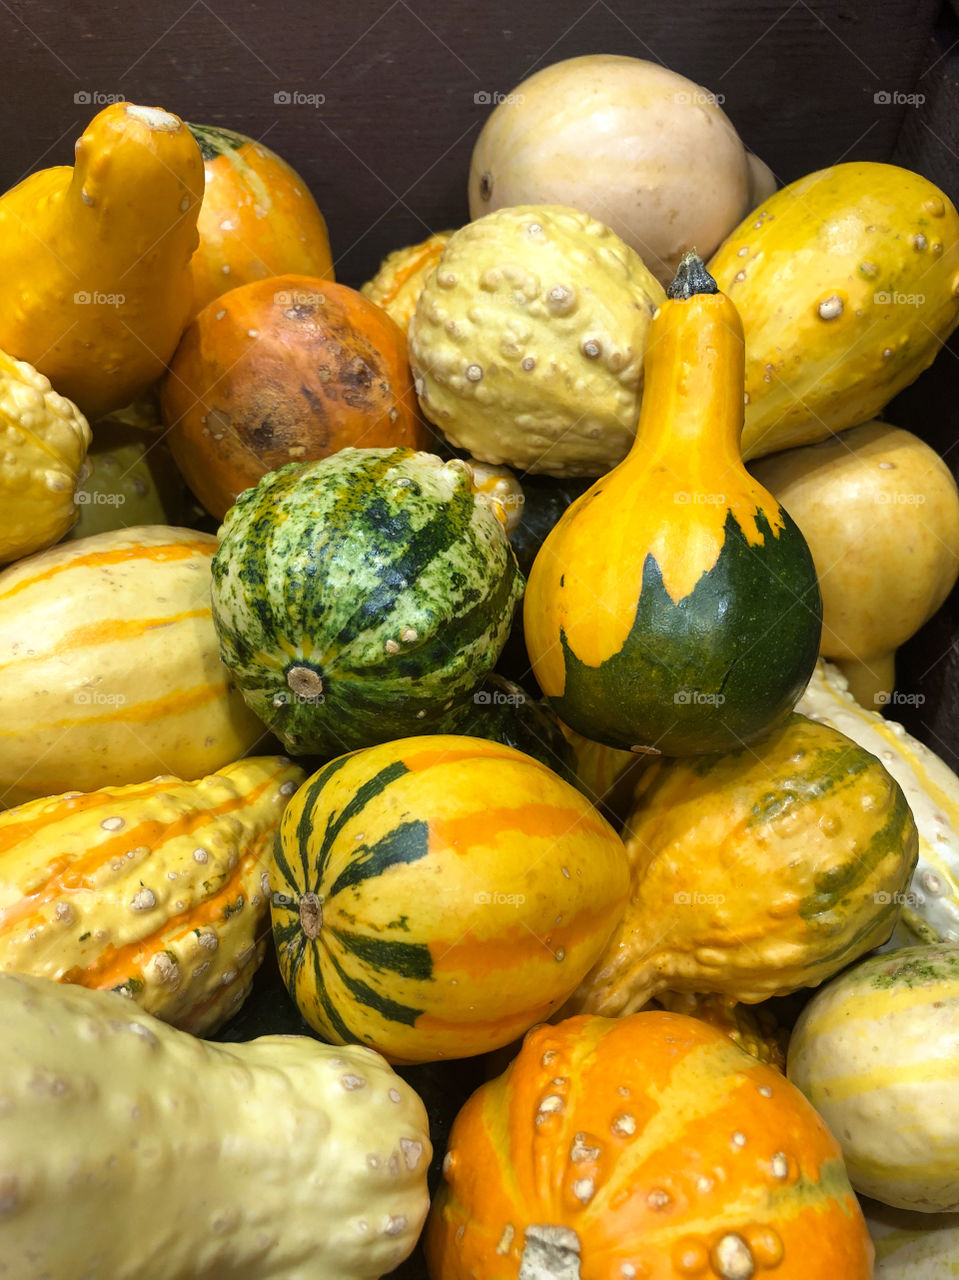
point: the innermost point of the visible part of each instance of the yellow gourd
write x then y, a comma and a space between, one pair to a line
95, 284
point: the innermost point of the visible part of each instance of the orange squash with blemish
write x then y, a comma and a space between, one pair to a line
642, 1148
257, 219
434, 897
289, 369
157, 890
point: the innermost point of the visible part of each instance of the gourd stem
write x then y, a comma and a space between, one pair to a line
691, 278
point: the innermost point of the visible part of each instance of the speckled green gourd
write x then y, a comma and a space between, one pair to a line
527, 341
362, 598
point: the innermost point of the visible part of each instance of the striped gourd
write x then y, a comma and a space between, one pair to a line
642, 1148
756, 872
363, 597
435, 897
109, 670
930, 908
877, 1053
158, 890
913, 1246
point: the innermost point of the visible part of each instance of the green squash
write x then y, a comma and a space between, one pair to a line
544, 501
504, 712
362, 598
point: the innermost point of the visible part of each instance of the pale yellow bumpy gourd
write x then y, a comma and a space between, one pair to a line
43, 443
95, 284
129, 1149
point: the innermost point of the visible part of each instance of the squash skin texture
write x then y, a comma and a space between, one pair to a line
757, 872
363, 597
674, 607
930, 911
95, 284
158, 890
826, 274
875, 1053
109, 666
257, 219
643, 1146
436, 896
397, 285
45, 441
527, 341
260, 1160
912, 1246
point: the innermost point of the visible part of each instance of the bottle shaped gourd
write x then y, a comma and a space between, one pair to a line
675, 608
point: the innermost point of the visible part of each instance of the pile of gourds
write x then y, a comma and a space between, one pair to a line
569, 760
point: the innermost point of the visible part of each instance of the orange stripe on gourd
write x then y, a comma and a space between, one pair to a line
99, 559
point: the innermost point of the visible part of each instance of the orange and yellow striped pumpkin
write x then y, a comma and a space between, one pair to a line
110, 668
157, 890
647, 1147
434, 897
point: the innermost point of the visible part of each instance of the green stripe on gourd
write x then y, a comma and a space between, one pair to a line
362, 598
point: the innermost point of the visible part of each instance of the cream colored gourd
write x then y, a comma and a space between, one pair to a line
912, 1246
641, 148
129, 1149
877, 1054
95, 283
43, 443
880, 511
930, 909
527, 341
159, 889
846, 283
110, 669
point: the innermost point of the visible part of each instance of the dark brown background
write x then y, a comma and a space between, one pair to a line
387, 153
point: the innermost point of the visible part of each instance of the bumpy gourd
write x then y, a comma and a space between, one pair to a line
398, 283
846, 282
880, 511
109, 666
132, 1149
437, 896
647, 1146
876, 1054
158, 890
95, 259
527, 340
132, 480
674, 607
363, 597
930, 904
757, 872
43, 444
257, 219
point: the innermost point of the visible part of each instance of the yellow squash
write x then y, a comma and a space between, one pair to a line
158, 890
95, 283
847, 283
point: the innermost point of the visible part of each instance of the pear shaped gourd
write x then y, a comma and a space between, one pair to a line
674, 607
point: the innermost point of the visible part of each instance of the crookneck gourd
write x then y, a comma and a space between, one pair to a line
675, 607
756, 872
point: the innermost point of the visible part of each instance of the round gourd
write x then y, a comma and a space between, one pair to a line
880, 511
397, 285
756, 872
877, 1053
648, 1146
674, 607
434, 897
45, 440
630, 142
527, 341
846, 285
257, 218
912, 1246
109, 666
132, 480
289, 369
363, 597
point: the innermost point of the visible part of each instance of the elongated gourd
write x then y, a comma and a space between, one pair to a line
128, 1148
846, 282
95, 284
158, 890
674, 607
